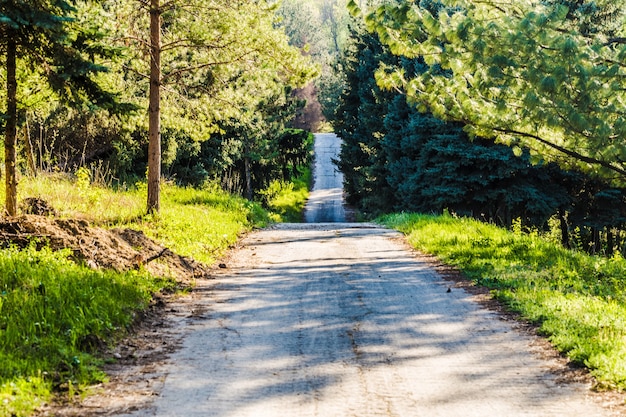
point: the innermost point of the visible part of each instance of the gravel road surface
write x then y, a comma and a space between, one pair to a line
343, 319
326, 198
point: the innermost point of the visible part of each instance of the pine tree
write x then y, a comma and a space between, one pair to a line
42, 34
359, 123
506, 77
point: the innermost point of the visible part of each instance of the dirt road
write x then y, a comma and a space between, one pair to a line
325, 202
343, 320
340, 319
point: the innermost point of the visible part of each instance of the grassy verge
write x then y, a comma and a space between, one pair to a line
578, 301
286, 200
54, 314
197, 222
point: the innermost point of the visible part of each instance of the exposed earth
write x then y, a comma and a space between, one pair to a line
118, 249
318, 319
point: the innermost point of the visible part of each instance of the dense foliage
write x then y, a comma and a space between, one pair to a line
227, 72
542, 75
43, 37
396, 158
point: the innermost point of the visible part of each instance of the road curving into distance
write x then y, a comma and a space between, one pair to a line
343, 319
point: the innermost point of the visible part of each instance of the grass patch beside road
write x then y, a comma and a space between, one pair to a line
55, 314
286, 200
578, 301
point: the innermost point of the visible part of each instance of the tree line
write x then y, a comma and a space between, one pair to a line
199, 88
505, 111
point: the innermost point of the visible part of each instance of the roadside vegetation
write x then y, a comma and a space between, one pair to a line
286, 200
577, 300
439, 111
56, 315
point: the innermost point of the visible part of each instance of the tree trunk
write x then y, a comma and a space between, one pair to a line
565, 238
594, 246
248, 174
28, 146
11, 128
610, 241
154, 116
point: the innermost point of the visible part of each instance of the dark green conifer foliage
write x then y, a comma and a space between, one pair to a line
41, 34
359, 122
544, 75
396, 158
434, 166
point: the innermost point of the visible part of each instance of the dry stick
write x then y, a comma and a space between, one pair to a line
157, 256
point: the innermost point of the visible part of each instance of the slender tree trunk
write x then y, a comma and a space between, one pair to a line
154, 110
30, 156
594, 246
565, 238
248, 174
11, 129
610, 241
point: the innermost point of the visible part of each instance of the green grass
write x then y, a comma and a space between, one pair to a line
54, 314
578, 301
198, 222
286, 200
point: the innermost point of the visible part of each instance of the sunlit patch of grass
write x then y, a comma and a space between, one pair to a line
286, 200
79, 199
578, 301
200, 223
197, 222
54, 315
20, 396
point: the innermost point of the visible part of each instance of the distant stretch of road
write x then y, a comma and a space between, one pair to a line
325, 203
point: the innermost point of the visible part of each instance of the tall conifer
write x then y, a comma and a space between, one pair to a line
41, 34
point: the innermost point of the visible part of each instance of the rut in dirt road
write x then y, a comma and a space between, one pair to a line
342, 319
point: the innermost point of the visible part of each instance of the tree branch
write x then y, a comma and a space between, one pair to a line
565, 151
205, 65
618, 40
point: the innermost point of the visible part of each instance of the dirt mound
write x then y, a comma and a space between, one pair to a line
118, 249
